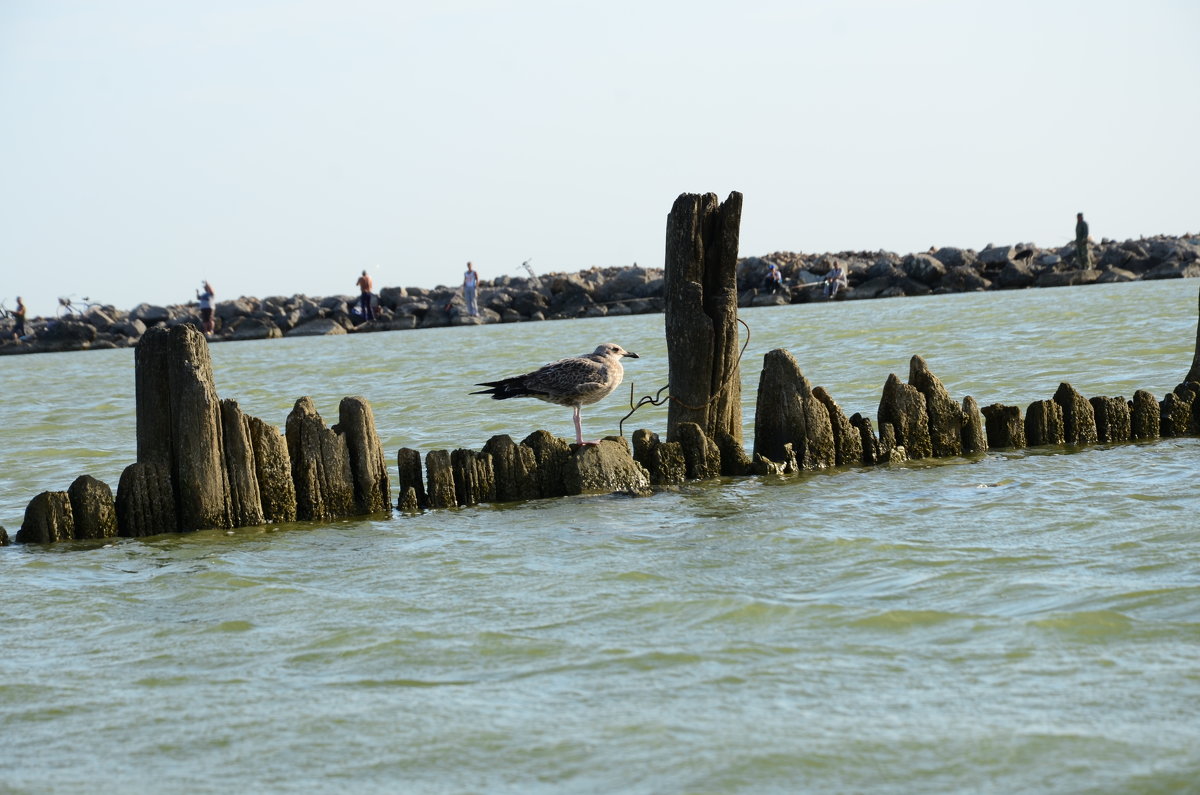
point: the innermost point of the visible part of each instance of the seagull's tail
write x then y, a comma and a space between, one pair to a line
506, 388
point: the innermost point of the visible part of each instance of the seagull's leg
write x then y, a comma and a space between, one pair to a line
578, 426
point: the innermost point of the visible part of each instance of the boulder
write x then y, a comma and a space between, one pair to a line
256, 329
964, 279
69, 331
1015, 276
317, 327
923, 268
996, 255
150, 314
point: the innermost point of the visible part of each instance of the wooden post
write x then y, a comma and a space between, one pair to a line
701, 322
1194, 372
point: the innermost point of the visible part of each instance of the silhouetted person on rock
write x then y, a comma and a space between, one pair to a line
1081, 242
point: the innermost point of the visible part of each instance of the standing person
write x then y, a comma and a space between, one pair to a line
364, 296
470, 282
19, 319
206, 308
1081, 242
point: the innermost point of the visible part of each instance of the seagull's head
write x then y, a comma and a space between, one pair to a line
614, 350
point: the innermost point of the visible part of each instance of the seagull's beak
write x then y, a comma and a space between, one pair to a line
631, 355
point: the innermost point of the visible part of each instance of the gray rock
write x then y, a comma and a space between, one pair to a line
1015, 276
923, 268
150, 314
255, 329
996, 255
317, 327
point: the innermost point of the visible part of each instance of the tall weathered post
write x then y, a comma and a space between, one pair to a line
1194, 372
701, 322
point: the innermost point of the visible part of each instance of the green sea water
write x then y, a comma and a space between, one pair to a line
1024, 621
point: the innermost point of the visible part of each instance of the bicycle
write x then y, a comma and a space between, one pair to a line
68, 308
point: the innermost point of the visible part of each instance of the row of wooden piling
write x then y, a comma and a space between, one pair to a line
202, 463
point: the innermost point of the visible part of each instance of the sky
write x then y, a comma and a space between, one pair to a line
276, 148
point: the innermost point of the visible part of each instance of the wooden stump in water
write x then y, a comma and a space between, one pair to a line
93, 508
320, 465
1044, 424
974, 437
408, 469
1005, 426
48, 518
273, 468
945, 417
700, 292
1112, 418
903, 407
1079, 418
145, 501
356, 422
1144, 416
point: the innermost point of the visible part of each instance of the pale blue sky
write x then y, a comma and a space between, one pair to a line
283, 147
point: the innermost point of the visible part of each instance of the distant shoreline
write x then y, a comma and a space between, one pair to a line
618, 291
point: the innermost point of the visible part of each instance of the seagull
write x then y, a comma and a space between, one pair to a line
576, 381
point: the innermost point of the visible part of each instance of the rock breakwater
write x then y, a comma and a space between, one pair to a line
615, 291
